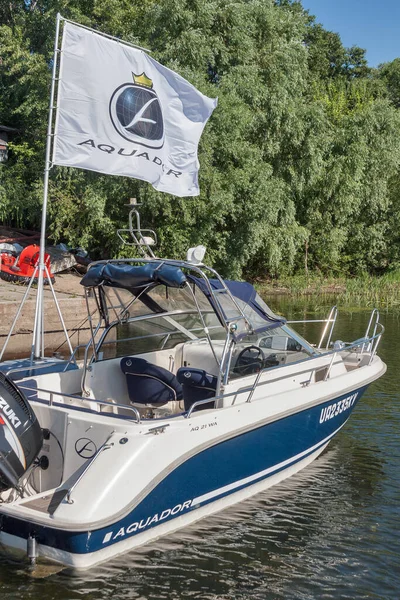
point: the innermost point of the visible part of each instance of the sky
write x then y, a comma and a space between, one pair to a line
370, 24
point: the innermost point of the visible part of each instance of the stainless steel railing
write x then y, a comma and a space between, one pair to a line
373, 340
332, 317
106, 446
52, 393
371, 343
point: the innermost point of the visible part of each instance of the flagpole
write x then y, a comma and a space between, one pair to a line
37, 343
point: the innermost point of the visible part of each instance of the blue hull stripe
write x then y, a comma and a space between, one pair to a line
233, 487
215, 472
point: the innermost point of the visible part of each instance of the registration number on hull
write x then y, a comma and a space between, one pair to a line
335, 409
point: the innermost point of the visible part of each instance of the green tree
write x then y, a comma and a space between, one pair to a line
389, 73
302, 150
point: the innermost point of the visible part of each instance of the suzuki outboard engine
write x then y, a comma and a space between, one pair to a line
21, 437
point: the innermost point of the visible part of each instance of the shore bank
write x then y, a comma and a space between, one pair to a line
367, 290
381, 292
73, 308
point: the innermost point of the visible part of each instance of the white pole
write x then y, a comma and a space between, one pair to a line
59, 312
18, 312
38, 329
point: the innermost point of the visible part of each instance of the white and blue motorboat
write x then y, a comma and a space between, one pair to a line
192, 396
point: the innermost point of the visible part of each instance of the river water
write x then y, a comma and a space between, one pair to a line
330, 532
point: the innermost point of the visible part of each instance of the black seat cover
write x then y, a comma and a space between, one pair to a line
148, 383
197, 385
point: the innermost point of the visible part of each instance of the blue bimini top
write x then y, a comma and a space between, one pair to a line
134, 278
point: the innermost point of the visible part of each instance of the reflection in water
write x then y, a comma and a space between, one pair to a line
329, 532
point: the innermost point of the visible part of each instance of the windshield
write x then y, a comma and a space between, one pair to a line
276, 347
121, 303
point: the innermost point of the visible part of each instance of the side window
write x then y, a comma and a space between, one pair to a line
280, 342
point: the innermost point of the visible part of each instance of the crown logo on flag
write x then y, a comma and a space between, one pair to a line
142, 80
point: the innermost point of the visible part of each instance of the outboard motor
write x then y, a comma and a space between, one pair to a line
21, 437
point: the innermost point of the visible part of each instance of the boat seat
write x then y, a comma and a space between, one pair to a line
197, 385
148, 383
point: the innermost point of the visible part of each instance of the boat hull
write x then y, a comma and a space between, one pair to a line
228, 471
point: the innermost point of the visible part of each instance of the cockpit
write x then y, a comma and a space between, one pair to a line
178, 337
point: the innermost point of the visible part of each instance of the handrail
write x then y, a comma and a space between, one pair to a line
85, 369
331, 319
347, 347
252, 388
105, 446
329, 369
200, 402
374, 313
52, 393
309, 321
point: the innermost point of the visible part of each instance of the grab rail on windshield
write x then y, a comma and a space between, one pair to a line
332, 317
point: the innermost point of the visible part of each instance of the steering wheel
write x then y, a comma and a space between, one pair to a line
250, 360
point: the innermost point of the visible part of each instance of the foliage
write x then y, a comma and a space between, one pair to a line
299, 162
382, 291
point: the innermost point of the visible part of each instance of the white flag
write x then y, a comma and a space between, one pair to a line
121, 112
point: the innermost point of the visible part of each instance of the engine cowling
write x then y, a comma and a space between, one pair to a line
21, 437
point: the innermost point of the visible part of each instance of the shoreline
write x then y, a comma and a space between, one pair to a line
382, 290
368, 291
71, 300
